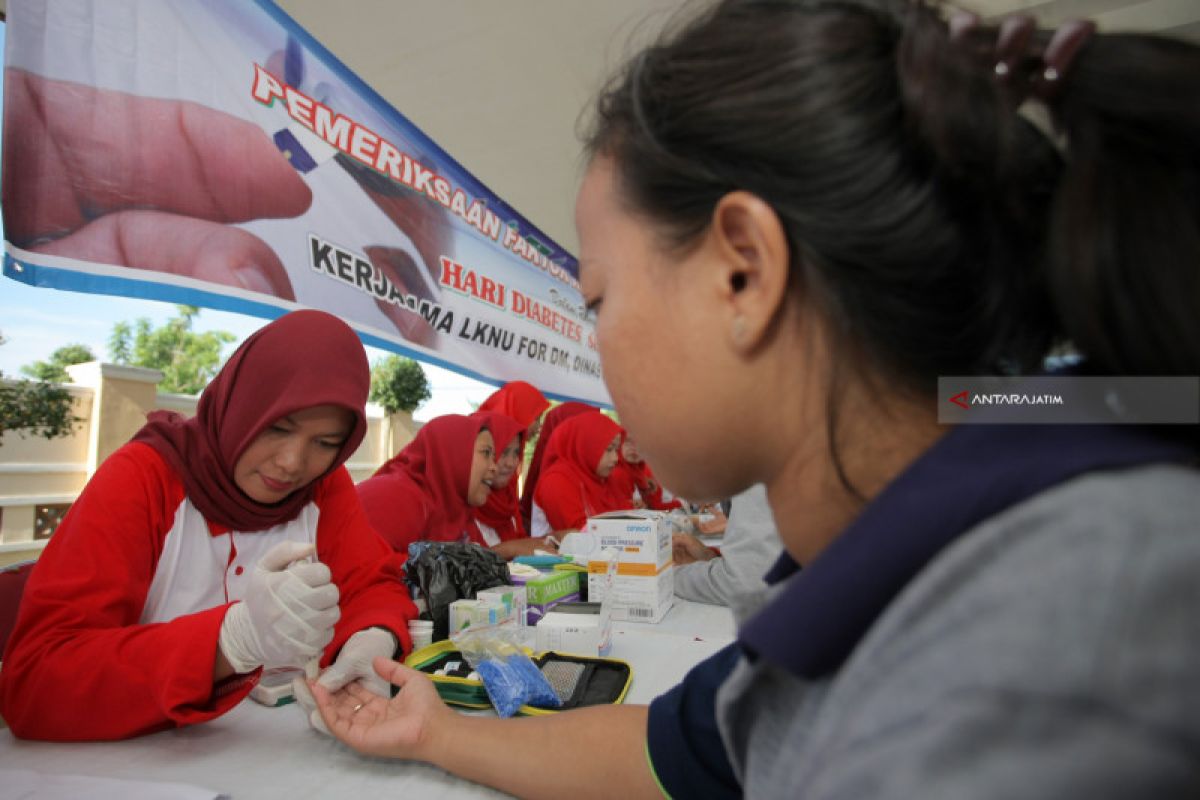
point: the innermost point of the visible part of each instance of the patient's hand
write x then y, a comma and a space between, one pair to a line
401, 727
687, 549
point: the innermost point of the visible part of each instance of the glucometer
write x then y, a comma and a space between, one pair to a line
274, 688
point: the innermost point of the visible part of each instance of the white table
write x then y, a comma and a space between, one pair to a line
258, 752
662, 654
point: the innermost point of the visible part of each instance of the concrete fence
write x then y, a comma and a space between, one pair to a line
40, 478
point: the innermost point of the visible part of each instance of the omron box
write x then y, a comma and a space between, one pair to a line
644, 586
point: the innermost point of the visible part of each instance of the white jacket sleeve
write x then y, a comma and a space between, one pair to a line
750, 547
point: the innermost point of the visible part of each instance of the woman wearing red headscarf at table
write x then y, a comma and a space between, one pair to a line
428, 490
634, 484
521, 401
524, 403
207, 549
554, 417
499, 519
574, 484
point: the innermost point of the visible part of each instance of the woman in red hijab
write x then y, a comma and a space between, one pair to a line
427, 491
522, 402
209, 548
634, 484
499, 519
574, 483
554, 417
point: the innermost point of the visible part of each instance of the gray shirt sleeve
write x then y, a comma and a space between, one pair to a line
750, 547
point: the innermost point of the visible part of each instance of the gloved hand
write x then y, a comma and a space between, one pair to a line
352, 663
288, 613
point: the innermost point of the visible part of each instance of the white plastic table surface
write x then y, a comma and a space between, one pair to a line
259, 752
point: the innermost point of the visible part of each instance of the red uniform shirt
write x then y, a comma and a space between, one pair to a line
122, 613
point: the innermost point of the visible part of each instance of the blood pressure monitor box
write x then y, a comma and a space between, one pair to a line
644, 586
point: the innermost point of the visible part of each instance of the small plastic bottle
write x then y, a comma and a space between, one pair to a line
421, 631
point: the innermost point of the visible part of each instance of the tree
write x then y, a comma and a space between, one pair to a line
399, 384
42, 408
54, 369
187, 360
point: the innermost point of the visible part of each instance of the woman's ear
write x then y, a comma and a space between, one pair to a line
749, 238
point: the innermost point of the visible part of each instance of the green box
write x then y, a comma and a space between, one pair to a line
551, 587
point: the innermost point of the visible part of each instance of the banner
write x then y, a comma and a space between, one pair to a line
215, 154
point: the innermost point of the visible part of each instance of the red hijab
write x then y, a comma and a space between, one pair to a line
524, 403
518, 400
303, 359
502, 511
575, 449
421, 492
553, 419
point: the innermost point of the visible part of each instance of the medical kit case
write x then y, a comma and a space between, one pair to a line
578, 680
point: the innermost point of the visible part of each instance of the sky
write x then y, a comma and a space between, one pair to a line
35, 322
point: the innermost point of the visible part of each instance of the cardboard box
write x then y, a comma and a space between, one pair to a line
478, 613
643, 589
512, 597
636, 598
546, 591
641, 536
581, 628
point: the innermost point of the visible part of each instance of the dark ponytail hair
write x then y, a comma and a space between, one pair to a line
936, 229
1125, 237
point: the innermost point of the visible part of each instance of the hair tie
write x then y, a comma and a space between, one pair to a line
1061, 51
1012, 43
1032, 91
961, 24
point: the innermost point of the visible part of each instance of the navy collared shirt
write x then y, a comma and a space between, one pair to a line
810, 628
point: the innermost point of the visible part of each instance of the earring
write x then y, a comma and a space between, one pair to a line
738, 328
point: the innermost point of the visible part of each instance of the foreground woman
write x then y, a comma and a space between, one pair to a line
845, 201
208, 548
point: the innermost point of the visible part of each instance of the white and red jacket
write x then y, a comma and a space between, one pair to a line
117, 631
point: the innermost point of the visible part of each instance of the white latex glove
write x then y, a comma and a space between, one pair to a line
353, 663
288, 613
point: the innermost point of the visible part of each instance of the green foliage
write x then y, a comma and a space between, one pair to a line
54, 369
399, 384
187, 360
43, 409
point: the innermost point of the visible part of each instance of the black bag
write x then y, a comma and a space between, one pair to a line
443, 572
